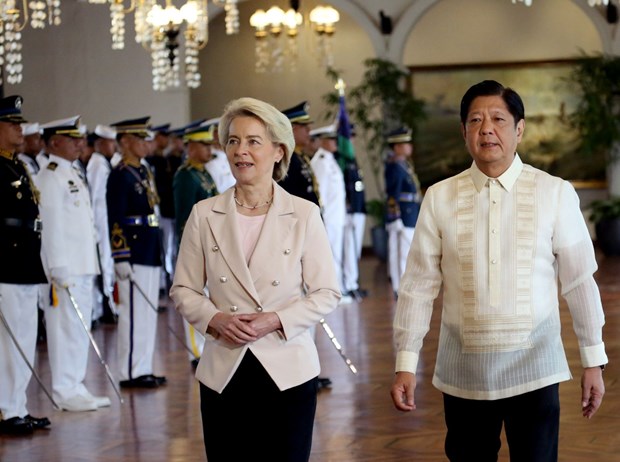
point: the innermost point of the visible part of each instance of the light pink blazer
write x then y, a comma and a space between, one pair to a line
291, 272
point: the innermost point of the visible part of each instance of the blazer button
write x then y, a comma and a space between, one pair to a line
215, 248
259, 309
287, 251
275, 283
233, 308
223, 279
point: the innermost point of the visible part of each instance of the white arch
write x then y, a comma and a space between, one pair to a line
398, 39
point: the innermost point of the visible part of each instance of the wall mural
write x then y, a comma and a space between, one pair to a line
548, 143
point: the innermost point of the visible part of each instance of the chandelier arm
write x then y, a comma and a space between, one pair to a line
19, 28
132, 7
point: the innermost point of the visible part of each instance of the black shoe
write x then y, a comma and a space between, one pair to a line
16, 426
37, 422
195, 362
324, 382
94, 324
144, 381
363, 293
109, 318
161, 380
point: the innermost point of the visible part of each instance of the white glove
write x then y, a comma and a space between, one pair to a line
396, 225
123, 270
108, 281
60, 277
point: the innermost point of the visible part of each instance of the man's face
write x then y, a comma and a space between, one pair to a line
33, 144
301, 132
135, 146
403, 150
11, 136
329, 144
66, 147
106, 147
491, 135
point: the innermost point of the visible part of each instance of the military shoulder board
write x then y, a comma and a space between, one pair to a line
52, 166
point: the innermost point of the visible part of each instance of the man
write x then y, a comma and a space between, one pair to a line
193, 183
21, 272
218, 166
97, 172
32, 145
331, 188
134, 236
69, 247
300, 180
355, 225
403, 202
165, 162
498, 237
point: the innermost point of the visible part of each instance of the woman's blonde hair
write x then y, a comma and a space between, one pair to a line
277, 125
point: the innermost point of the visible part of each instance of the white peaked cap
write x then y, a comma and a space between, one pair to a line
328, 131
31, 128
106, 132
68, 122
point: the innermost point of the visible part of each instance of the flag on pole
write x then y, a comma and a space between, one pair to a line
345, 145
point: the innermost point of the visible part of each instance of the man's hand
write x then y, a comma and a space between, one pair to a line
592, 390
403, 391
123, 270
60, 277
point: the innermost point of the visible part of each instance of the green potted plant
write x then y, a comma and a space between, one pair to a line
605, 214
597, 120
379, 104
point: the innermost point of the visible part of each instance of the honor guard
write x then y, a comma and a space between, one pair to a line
136, 248
403, 202
193, 183
21, 272
331, 188
70, 253
165, 162
33, 145
354, 225
300, 180
218, 166
97, 172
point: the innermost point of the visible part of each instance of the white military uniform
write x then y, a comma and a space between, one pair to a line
69, 245
333, 196
219, 169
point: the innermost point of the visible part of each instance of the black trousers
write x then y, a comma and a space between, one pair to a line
253, 420
532, 422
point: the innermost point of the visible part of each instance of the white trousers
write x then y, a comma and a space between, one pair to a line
352, 252
399, 243
18, 303
137, 322
335, 235
169, 242
67, 341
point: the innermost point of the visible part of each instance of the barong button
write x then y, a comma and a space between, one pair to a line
493, 261
233, 308
287, 251
223, 279
259, 309
275, 283
215, 248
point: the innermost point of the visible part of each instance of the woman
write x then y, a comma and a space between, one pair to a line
266, 261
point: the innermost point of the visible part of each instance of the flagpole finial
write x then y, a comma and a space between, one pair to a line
340, 86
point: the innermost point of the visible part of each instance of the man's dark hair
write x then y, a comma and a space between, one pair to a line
493, 88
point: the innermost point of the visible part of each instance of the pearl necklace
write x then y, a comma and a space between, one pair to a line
252, 207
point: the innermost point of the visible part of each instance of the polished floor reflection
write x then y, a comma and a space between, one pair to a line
355, 419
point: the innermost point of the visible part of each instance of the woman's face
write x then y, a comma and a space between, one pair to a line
250, 152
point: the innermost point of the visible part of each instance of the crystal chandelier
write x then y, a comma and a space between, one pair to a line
159, 30
269, 25
13, 20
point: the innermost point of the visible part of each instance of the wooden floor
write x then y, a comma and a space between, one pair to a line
355, 419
